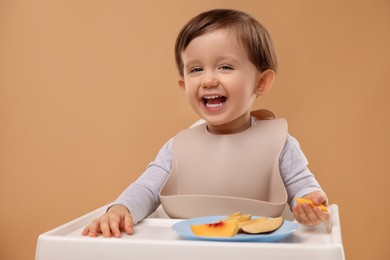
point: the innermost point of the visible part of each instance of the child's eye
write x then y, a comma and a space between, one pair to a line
195, 69
226, 67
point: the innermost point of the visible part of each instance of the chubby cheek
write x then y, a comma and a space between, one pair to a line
192, 97
191, 90
243, 95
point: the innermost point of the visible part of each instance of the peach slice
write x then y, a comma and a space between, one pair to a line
222, 228
239, 217
238, 213
261, 225
310, 202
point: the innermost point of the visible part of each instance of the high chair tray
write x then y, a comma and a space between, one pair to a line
154, 238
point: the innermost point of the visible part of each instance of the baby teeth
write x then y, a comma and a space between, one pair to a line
211, 97
211, 101
214, 105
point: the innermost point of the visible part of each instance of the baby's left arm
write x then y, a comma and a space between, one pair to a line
307, 214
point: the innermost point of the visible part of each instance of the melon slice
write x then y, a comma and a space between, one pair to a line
223, 228
310, 202
261, 225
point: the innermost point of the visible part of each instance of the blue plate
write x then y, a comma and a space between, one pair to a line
184, 230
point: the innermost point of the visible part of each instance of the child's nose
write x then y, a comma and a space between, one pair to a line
209, 81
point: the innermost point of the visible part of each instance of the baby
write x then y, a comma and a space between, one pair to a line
226, 60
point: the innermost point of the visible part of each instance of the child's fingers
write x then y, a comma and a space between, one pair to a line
311, 215
318, 198
114, 225
321, 214
315, 215
304, 219
85, 231
94, 228
296, 214
299, 214
105, 226
305, 215
128, 224
111, 223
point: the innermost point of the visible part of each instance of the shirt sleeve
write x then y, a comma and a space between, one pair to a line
295, 173
142, 196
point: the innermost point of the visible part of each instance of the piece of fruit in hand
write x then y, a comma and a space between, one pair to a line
310, 202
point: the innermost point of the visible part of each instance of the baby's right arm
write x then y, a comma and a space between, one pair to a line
116, 219
140, 198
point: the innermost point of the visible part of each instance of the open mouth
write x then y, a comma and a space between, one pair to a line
214, 101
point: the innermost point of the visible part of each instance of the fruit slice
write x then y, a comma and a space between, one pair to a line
239, 217
238, 213
310, 202
219, 229
261, 225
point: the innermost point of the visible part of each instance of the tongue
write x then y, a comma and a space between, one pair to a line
216, 100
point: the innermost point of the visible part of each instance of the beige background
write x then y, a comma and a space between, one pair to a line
88, 94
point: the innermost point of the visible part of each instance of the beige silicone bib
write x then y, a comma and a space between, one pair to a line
222, 174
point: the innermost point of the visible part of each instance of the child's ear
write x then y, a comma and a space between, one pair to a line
265, 82
181, 83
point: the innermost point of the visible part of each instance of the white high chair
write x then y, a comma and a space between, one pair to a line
154, 238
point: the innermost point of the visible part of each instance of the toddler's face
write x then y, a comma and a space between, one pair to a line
220, 81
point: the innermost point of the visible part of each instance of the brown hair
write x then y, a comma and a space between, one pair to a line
251, 33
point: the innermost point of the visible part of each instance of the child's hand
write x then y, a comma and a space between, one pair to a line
309, 215
115, 220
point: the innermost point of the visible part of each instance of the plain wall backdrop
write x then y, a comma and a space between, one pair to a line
88, 95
